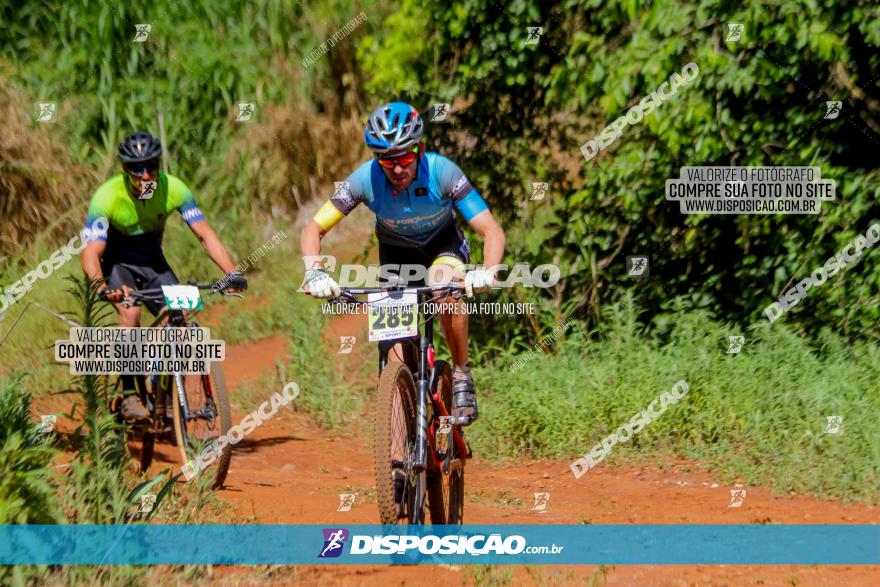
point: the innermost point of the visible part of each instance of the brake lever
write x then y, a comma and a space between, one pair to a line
340, 299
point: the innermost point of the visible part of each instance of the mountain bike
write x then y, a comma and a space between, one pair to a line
189, 410
414, 439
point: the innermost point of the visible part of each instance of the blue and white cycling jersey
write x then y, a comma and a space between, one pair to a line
410, 217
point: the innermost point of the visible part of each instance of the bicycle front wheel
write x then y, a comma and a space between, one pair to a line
394, 442
201, 416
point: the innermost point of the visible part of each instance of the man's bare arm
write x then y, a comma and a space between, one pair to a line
310, 244
215, 249
90, 259
493, 237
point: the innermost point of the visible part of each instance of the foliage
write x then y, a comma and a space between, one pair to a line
27, 484
27, 491
98, 490
521, 112
760, 414
184, 83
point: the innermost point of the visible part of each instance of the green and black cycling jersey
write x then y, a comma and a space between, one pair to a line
135, 226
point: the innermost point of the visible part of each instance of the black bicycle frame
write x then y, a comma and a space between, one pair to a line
176, 319
420, 347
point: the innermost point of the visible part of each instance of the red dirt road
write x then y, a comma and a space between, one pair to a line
291, 471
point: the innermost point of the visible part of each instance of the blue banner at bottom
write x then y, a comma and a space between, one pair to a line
479, 544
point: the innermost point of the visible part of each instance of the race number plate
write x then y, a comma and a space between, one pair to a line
392, 315
182, 297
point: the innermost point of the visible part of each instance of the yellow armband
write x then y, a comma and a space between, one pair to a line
328, 216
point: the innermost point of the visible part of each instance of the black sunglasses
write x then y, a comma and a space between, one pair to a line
139, 168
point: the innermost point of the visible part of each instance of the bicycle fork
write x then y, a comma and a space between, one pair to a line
181, 395
421, 456
422, 416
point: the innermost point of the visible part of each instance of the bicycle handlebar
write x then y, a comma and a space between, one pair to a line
350, 294
139, 296
403, 289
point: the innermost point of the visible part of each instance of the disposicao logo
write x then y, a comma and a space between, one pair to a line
334, 540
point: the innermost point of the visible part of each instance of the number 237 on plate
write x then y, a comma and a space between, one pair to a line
392, 317
182, 297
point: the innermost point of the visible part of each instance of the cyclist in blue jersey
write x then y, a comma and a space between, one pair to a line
416, 196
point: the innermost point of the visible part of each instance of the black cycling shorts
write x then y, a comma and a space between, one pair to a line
141, 277
449, 242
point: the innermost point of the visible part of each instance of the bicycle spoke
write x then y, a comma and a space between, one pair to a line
394, 445
399, 434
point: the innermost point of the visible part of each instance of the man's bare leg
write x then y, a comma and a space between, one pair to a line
132, 408
455, 328
454, 322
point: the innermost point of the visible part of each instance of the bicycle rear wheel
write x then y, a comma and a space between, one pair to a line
446, 479
207, 418
394, 440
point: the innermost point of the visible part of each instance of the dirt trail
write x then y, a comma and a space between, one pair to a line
291, 471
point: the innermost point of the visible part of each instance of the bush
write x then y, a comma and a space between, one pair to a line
760, 414
27, 491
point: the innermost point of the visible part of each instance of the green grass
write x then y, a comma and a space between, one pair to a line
252, 392
28, 331
27, 487
324, 391
759, 415
489, 575
29, 344
503, 498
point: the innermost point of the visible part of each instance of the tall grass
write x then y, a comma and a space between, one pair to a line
38, 182
328, 393
28, 486
200, 61
760, 414
27, 490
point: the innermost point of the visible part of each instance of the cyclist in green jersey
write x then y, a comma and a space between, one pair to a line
124, 228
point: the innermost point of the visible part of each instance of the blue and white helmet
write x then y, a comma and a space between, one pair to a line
393, 127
